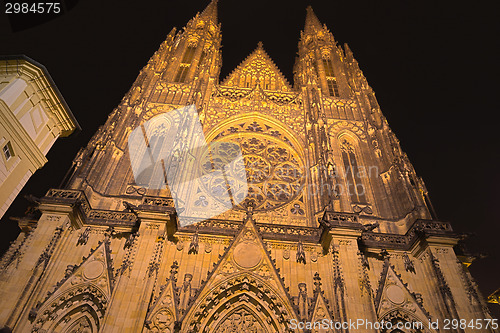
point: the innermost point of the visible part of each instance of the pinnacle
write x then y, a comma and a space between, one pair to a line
210, 12
347, 48
312, 21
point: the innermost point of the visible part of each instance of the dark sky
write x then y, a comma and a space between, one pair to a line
430, 63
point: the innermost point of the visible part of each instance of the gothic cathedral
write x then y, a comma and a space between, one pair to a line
335, 226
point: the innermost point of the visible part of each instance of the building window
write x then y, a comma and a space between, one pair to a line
8, 152
188, 55
327, 63
333, 88
202, 57
185, 64
182, 73
353, 174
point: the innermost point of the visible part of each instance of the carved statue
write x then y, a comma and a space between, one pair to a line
185, 294
409, 266
301, 255
193, 247
303, 301
84, 237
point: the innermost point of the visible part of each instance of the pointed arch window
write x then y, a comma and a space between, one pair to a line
202, 57
353, 173
331, 81
327, 63
333, 88
185, 64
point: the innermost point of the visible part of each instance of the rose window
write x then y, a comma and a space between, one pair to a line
271, 168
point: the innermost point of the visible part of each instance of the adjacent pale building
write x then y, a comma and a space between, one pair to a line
33, 114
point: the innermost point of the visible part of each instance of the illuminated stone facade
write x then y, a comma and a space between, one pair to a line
336, 224
33, 115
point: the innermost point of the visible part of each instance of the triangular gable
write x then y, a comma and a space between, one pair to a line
257, 68
321, 311
247, 268
93, 278
248, 253
162, 314
96, 268
393, 293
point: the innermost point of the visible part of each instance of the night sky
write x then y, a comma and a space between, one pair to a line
430, 63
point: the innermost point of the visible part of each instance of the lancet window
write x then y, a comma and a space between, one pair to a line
333, 88
185, 64
353, 173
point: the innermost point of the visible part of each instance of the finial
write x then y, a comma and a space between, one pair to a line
317, 282
174, 269
312, 21
385, 255
211, 11
249, 210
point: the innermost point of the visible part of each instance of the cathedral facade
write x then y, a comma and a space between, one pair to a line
334, 226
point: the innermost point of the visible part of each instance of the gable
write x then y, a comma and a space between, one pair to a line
393, 294
245, 275
321, 312
162, 313
258, 69
85, 289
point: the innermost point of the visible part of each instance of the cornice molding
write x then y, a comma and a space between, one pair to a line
332, 223
38, 77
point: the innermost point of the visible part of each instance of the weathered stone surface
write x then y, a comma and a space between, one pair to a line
108, 254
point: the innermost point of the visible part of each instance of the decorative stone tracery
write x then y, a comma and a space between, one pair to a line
273, 172
256, 295
241, 319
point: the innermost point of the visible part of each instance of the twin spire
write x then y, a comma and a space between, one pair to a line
259, 61
312, 22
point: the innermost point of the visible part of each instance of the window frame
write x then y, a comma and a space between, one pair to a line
8, 150
350, 162
185, 64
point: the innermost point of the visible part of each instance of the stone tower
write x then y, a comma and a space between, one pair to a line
336, 226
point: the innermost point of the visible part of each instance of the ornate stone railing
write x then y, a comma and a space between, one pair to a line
64, 194
330, 220
157, 203
96, 216
339, 219
420, 228
78, 199
392, 241
236, 93
288, 232
433, 227
214, 226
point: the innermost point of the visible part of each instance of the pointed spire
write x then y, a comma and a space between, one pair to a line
348, 53
210, 12
312, 21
